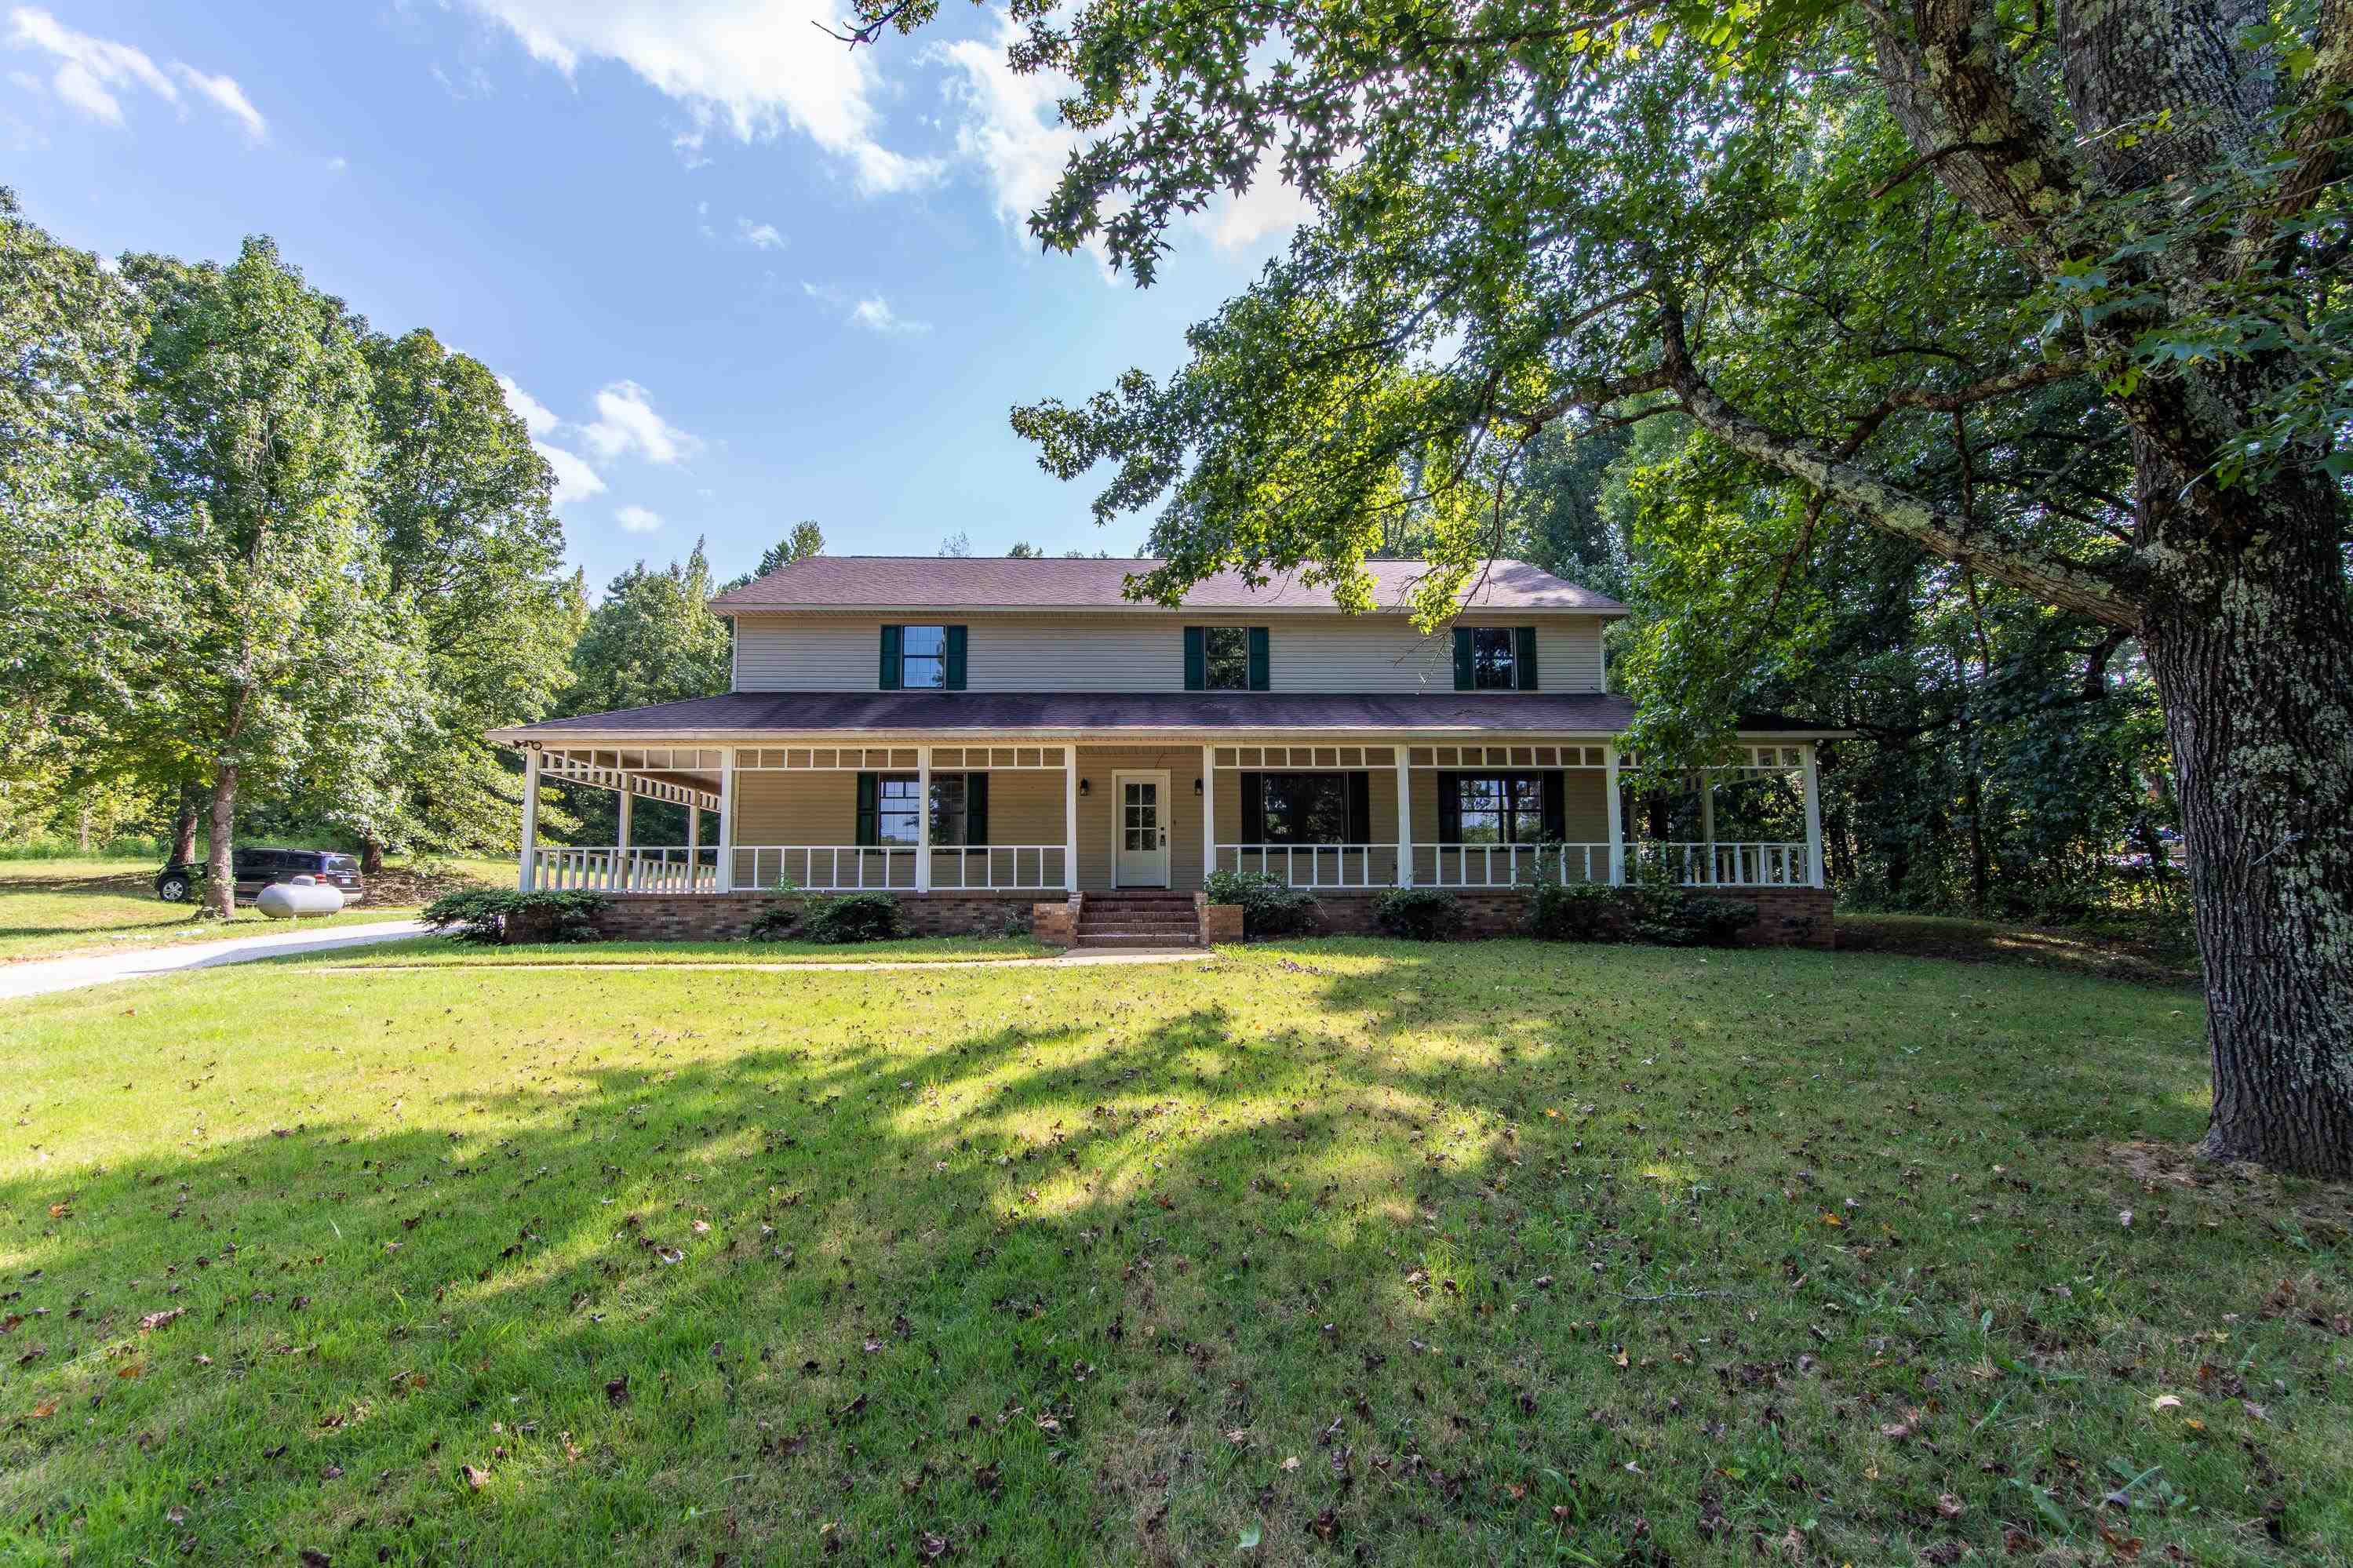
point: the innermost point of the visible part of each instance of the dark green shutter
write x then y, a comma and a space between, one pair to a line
868, 829
1197, 661
1463, 658
976, 809
1523, 663
1254, 809
1258, 658
953, 663
1360, 808
890, 659
1555, 807
1450, 808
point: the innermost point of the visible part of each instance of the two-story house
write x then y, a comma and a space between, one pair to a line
982, 734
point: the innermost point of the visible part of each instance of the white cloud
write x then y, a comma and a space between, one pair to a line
92, 71
574, 480
759, 236
637, 520
537, 417
338, 164
876, 315
89, 68
626, 422
753, 66
223, 91
1009, 126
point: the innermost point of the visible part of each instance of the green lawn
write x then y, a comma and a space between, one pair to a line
1487, 1252
444, 951
50, 909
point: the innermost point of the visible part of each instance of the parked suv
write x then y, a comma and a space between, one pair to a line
257, 868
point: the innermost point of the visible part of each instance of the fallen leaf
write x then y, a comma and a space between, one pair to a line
476, 1477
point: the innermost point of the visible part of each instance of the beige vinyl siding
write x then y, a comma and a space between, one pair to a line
1146, 652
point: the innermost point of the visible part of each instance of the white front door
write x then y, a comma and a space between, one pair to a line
1139, 846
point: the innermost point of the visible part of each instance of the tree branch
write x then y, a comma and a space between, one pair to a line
2085, 587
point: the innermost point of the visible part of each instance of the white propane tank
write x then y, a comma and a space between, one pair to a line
303, 896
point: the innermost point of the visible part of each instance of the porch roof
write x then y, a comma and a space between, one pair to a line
1081, 714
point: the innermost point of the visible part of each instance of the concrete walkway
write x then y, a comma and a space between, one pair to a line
42, 976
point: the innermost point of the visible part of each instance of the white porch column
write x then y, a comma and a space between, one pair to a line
1405, 817
726, 879
1071, 819
693, 846
620, 879
527, 870
1208, 813
1616, 827
922, 819
1707, 822
1813, 820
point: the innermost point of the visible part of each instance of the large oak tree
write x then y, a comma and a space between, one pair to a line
1822, 232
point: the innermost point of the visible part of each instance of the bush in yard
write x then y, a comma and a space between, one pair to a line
491, 914
778, 921
1577, 911
1423, 914
1270, 906
852, 918
1693, 920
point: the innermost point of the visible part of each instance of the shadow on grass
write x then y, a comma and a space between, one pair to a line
1054, 1291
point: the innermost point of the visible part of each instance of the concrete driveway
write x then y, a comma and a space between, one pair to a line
44, 975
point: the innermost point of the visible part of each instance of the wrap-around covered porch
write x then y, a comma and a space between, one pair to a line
1017, 814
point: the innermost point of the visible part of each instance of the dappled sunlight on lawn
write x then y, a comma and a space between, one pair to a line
1471, 1253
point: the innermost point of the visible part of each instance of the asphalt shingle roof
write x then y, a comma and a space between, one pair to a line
944, 712
953, 582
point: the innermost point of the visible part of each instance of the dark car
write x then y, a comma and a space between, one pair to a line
257, 868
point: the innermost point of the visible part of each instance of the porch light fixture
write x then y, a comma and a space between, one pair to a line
1197, 789
1085, 789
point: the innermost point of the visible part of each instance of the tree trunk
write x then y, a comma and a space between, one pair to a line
371, 857
183, 827
81, 829
220, 885
2251, 642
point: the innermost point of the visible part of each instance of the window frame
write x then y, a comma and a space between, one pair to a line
937, 658
1351, 796
1210, 658
1523, 794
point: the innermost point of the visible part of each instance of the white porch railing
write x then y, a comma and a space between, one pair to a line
607, 870
825, 867
967, 866
1737, 865
1314, 865
1507, 865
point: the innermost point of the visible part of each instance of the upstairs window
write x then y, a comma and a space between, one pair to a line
922, 658
1225, 658
1495, 659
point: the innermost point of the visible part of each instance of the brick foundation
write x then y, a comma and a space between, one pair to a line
1786, 917
723, 917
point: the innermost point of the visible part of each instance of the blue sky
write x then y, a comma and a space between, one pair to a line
735, 276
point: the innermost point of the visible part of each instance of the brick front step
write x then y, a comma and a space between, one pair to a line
1139, 938
1092, 923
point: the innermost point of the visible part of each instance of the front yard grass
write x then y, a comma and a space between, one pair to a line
57, 908
447, 952
1319, 1252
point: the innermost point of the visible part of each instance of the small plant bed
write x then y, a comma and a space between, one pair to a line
445, 952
